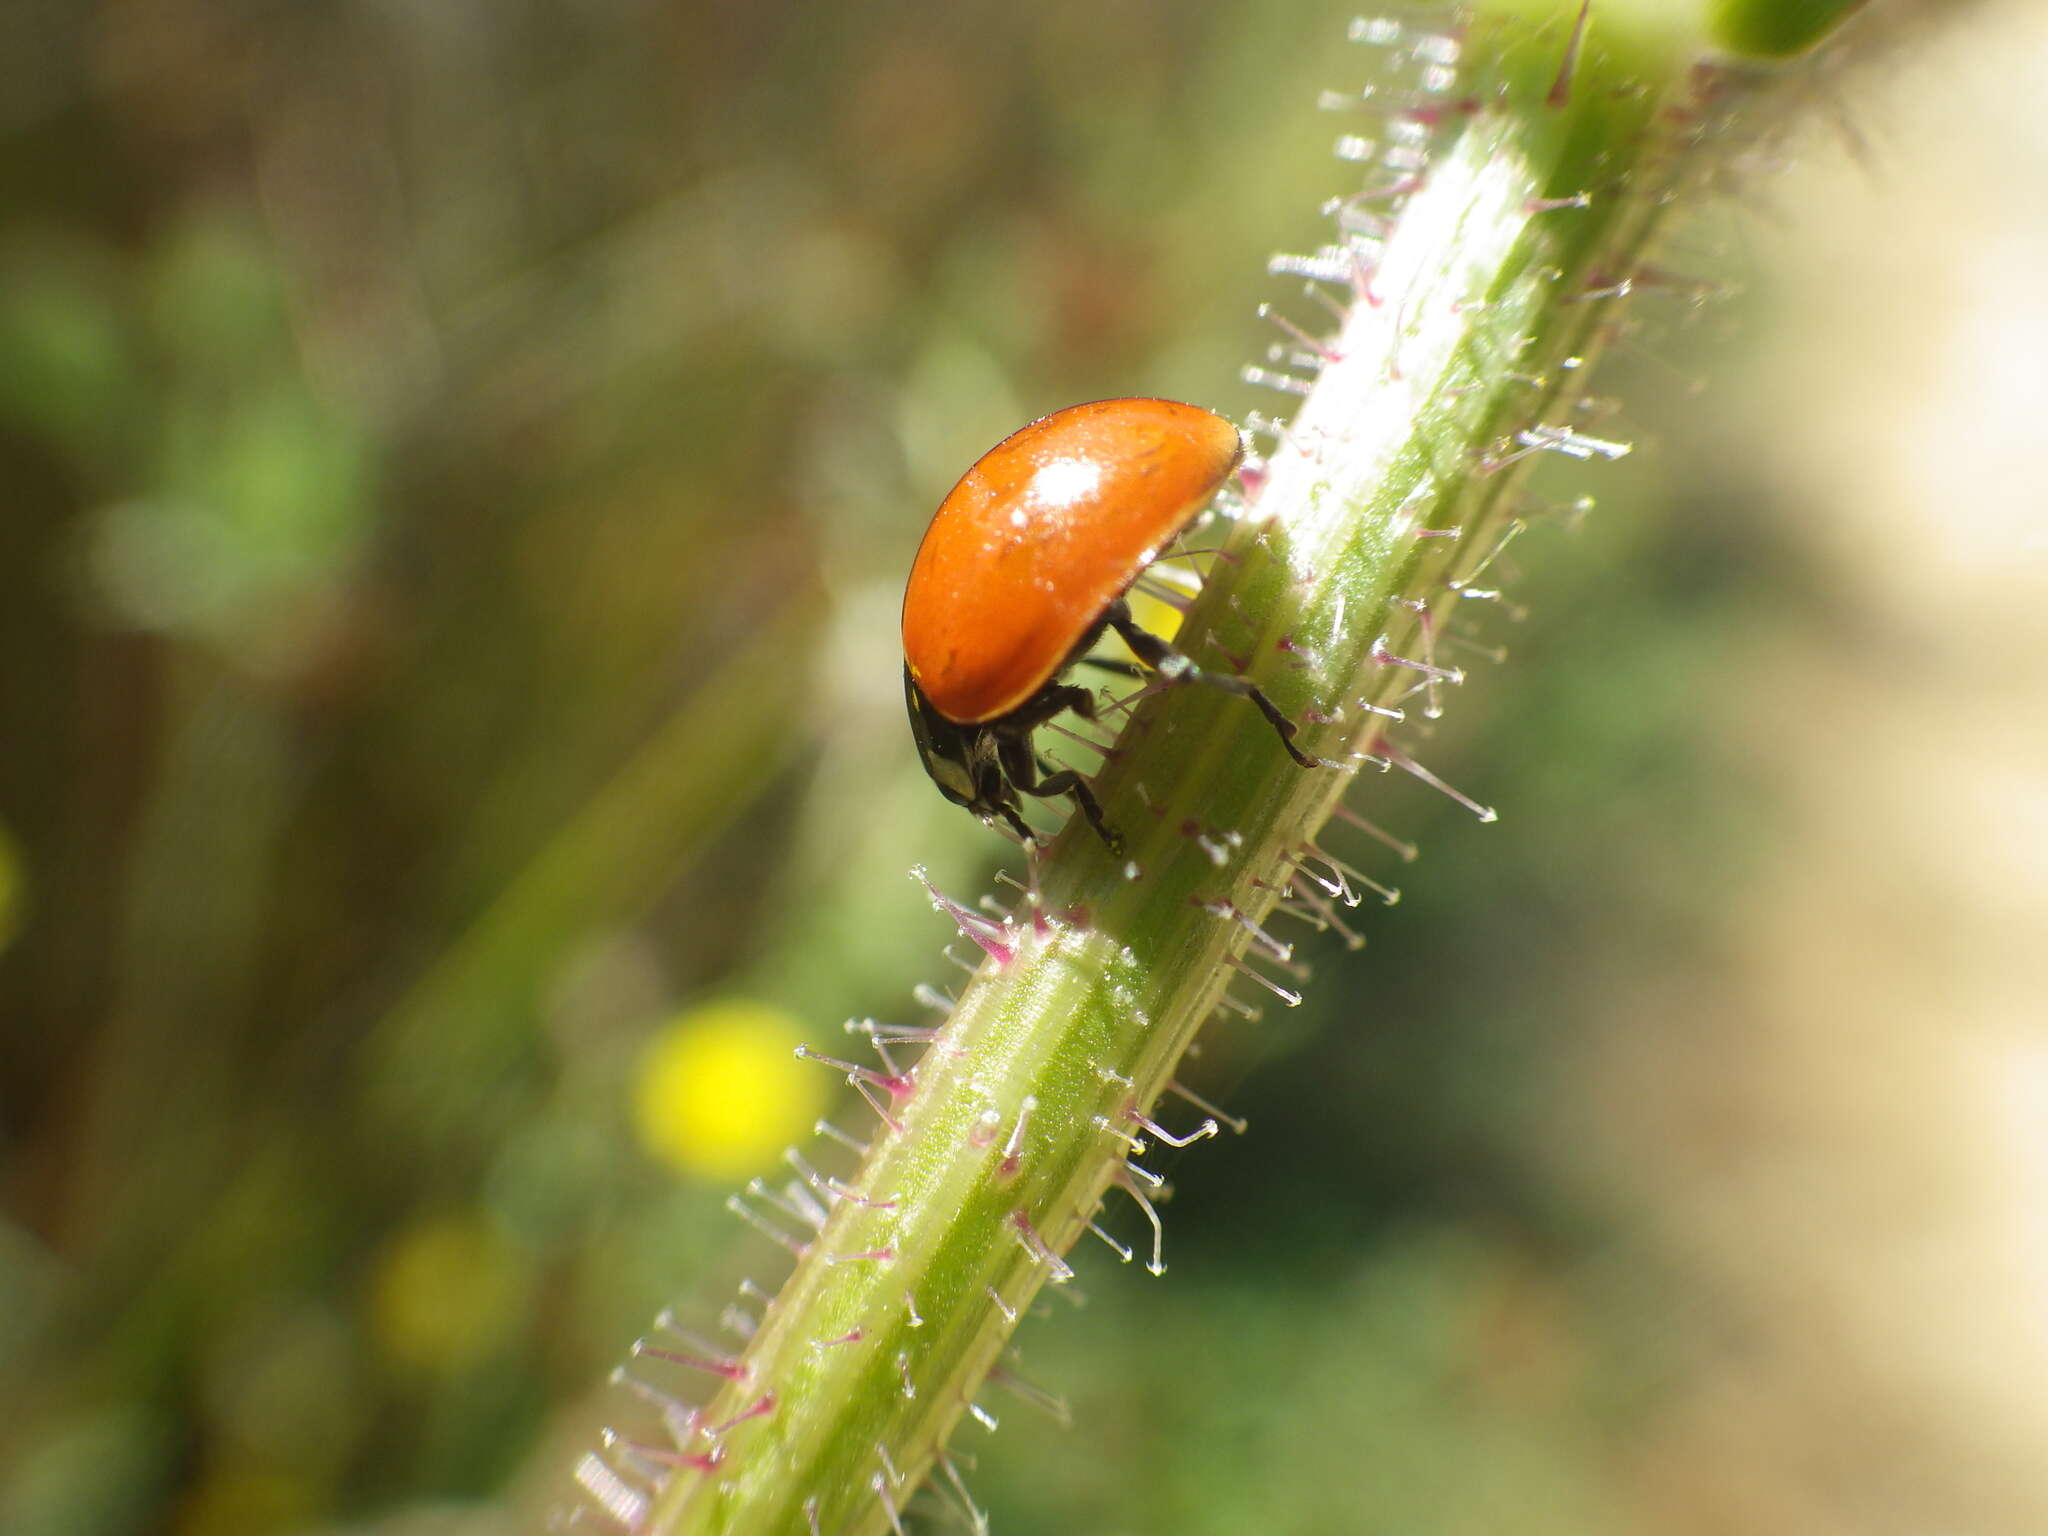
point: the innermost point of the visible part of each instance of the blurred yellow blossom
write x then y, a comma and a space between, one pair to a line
246, 1501
11, 883
719, 1091
446, 1293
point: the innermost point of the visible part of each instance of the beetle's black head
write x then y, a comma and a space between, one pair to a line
963, 760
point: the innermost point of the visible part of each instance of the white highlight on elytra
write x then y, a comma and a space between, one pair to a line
1062, 483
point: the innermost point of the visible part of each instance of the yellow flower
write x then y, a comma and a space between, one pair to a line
246, 1501
719, 1092
13, 895
445, 1294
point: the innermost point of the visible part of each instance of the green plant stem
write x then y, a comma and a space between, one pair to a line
1466, 342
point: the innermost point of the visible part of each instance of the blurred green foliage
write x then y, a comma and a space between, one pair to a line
456, 470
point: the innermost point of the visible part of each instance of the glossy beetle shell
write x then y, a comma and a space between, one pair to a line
1045, 532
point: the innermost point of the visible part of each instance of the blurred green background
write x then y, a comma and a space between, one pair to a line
457, 468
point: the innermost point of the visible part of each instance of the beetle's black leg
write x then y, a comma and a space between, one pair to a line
1044, 704
1020, 768
1115, 664
992, 792
1175, 667
1068, 782
1017, 823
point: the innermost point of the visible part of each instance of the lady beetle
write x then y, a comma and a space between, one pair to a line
1025, 564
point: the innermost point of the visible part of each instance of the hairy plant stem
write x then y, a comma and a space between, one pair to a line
1471, 316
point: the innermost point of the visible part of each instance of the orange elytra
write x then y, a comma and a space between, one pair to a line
1025, 565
